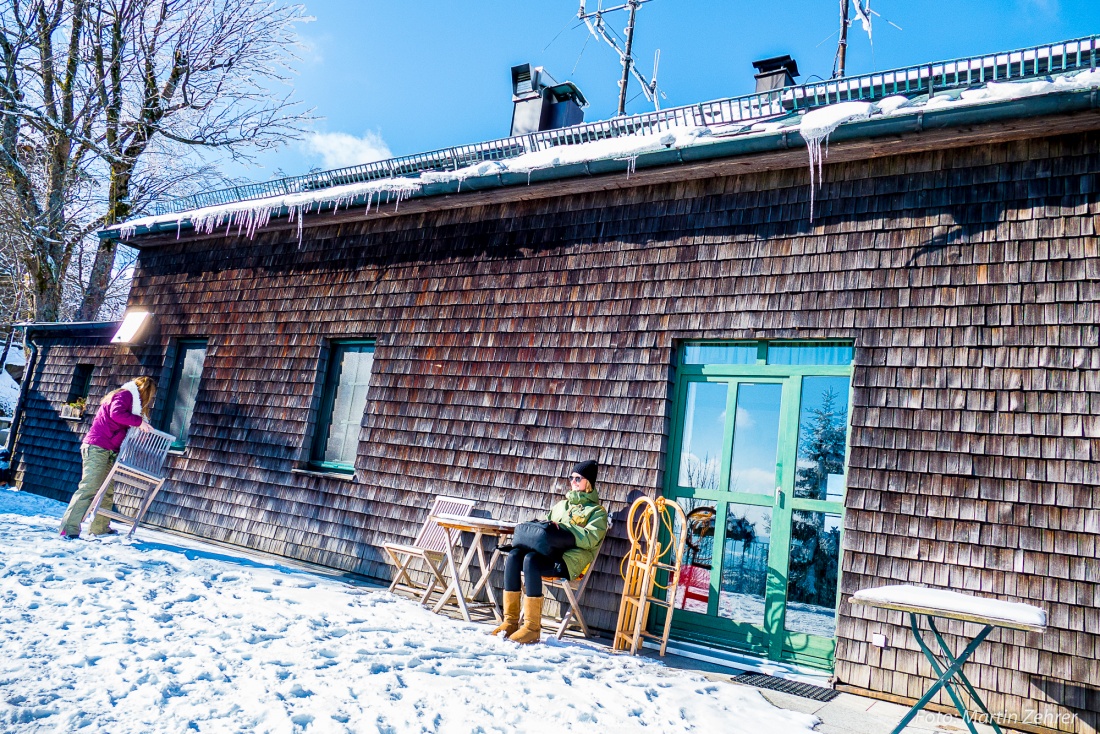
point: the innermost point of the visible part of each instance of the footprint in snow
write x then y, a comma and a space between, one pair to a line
296, 691
531, 668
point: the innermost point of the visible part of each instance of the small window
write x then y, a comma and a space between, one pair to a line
343, 402
814, 353
81, 384
720, 353
184, 389
810, 353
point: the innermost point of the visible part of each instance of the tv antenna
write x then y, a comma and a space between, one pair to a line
597, 27
863, 12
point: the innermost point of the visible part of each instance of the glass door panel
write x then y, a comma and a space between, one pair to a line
745, 563
812, 575
761, 459
703, 435
756, 438
822, 439
693, 593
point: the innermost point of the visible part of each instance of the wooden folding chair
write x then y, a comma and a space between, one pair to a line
140, 464
430, 546
574, 592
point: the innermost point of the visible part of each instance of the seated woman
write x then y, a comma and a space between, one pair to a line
578, 526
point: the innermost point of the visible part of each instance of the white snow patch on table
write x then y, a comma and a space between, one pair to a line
167, 635
954, 602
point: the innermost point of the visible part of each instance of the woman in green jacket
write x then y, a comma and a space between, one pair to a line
580, 522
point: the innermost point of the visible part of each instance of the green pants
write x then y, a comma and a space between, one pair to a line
97, 464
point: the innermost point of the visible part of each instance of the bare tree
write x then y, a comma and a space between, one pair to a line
47, 117
107, 104
176, 75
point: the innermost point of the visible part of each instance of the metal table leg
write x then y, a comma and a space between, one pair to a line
953, 670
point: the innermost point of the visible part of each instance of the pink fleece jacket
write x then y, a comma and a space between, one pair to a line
112, 420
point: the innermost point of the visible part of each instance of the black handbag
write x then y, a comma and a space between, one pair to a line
542, 537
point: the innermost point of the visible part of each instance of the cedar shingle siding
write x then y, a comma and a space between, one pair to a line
517, 338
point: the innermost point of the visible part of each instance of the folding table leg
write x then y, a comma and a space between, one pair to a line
962, 678
483, 582
455, 587
944, 680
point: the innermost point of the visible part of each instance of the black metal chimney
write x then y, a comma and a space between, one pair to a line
541, 103
775, 73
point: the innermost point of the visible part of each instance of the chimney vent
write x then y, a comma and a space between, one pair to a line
541, 103
775, 73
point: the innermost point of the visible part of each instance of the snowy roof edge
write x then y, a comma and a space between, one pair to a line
68, 326
1061, 102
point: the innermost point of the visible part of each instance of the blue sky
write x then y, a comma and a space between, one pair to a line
407, 77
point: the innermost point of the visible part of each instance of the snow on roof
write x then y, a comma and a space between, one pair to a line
246, 217
953, 602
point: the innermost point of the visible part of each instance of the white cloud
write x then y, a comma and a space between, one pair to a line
745, 419
341, 149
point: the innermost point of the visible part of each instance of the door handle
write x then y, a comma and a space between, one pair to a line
778, 496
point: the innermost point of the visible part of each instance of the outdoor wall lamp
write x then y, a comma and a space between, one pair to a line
132, 323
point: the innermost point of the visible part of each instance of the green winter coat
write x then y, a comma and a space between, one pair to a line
581, 514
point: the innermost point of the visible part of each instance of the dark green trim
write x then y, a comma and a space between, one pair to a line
323, 426
181, 347
771, 638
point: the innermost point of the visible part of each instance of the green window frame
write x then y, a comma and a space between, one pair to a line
344, 394
81, 385
804, 505
183, 390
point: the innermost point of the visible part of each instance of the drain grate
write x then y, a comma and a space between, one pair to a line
805, 690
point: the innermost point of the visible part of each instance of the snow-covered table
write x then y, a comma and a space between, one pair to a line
930, 603
454, 526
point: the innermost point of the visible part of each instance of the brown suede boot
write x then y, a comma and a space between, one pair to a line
531, 631
511, 614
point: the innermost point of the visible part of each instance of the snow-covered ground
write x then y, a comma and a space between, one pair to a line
169, 636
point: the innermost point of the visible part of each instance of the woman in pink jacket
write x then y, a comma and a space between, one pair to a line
121, 410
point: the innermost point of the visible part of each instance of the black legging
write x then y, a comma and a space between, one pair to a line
534, 566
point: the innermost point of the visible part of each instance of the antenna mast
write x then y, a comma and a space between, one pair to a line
842, 44
863, 12
597, 27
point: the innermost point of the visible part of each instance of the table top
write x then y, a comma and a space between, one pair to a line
487, 525
953, 605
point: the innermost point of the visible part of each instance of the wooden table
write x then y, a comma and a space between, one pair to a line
481, 527
950, 667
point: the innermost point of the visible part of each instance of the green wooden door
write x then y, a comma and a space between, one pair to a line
758, 464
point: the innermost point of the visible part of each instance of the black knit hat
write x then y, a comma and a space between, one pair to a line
588, 470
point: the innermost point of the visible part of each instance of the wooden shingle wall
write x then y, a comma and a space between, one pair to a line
517, 339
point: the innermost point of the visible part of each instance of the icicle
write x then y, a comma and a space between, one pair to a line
817, 125
631, 165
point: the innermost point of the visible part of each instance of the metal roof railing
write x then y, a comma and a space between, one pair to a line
1026, 63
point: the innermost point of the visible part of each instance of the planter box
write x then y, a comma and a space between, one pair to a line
71, 412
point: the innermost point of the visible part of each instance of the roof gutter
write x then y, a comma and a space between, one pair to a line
744, 144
